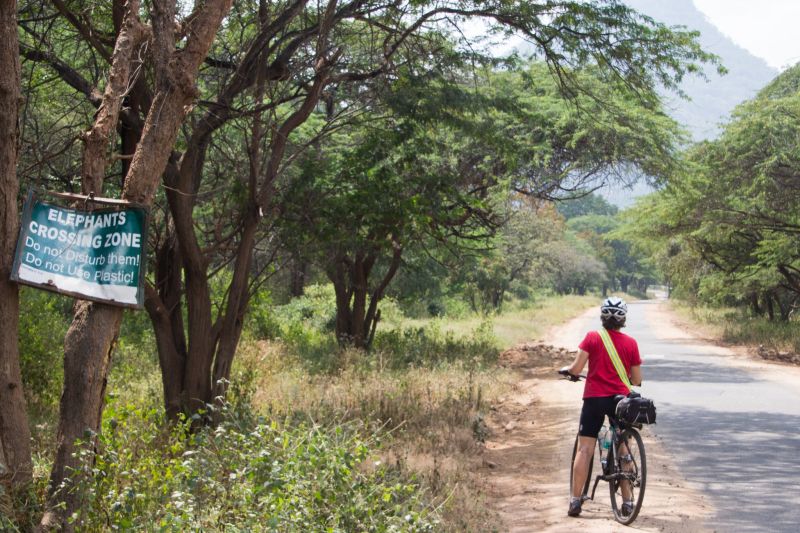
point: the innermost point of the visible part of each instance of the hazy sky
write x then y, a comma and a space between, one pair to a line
767, 28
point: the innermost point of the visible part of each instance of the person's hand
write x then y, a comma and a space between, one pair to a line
566, 373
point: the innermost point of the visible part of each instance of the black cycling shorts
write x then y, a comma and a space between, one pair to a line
593, 414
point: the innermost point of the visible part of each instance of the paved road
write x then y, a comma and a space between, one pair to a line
733, 426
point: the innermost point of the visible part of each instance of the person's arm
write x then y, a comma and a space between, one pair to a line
580, 361
636, 375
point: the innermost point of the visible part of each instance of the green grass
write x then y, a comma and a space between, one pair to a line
517, 323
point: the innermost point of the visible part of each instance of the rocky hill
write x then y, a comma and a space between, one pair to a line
711, 101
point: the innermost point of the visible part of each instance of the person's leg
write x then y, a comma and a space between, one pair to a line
580, 468
592, 416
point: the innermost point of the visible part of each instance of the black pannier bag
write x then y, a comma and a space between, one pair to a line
636, 410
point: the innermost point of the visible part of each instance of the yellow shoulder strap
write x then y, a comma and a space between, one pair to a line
615, 360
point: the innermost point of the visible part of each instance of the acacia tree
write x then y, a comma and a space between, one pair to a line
400, 178
733, 209
91, 337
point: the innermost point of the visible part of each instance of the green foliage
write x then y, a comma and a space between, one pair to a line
261, 320
43, 322
304, 327
555, 146
627, 267
589, 204
241, 475
727, 222
315, 309
517, 259
431, 346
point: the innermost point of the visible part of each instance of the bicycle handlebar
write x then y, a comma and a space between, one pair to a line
572, 377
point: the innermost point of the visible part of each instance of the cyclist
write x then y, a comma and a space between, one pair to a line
603, 383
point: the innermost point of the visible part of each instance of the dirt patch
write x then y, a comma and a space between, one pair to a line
526, 460
534, 355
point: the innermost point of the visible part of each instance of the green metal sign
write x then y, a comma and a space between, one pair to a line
94, 254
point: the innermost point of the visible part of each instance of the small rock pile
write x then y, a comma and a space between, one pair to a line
772, 354
534, 354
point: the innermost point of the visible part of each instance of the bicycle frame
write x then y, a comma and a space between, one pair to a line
610, 472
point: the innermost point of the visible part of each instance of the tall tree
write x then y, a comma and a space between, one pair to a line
404, 175
92, 335
15, 450
332, 49
734, 207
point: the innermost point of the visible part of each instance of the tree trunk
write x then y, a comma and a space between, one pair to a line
359, 276
298, 275
15, 450
623, 283
170, 360
784, 307
87, 354
754, 306
91, 337
768, 304
238, 298
357, 311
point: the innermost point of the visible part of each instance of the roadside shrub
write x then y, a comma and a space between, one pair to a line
739, 327
431, 346
315, 309
43, 321
261, 319
242, 475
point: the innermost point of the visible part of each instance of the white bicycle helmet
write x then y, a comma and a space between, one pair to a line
614, 307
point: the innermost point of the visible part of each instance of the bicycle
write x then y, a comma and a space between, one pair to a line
616, 468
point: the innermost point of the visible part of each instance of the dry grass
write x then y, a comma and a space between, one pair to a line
429, 405
518, 324
730, 325
431, 417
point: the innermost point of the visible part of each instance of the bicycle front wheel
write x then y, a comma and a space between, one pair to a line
629, 476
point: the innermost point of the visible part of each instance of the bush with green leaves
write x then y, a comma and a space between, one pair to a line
244, 474
431, 345
316, 309
43, 322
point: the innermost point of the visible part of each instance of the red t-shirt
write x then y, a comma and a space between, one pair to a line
602, 378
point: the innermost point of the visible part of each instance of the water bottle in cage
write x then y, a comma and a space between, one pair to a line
605, 437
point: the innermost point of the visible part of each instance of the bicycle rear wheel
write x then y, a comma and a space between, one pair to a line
630, 469
595, 459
